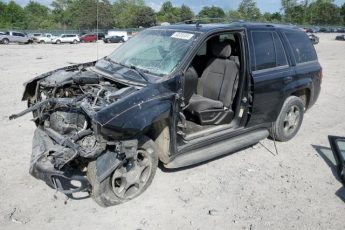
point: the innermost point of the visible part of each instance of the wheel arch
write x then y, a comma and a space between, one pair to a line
159, 132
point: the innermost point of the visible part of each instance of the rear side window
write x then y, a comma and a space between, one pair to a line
280, 52
302, 48
268, 50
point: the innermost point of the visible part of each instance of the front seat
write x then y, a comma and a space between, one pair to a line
216, 89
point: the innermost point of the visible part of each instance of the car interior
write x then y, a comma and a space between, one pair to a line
211, 84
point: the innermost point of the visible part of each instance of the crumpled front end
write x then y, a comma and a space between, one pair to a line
68, 137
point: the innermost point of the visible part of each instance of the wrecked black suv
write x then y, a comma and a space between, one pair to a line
180, 94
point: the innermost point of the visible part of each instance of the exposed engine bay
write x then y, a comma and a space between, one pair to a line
65, 141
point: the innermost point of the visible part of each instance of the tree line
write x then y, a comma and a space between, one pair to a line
82, 14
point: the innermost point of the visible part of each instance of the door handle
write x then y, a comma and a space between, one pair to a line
287, 79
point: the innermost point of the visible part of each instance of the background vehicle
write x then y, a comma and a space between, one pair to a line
101, 36
13, 36
66, 38
340, 37
44, 38
113, 39
182, 94
35, 36
112, 33
314, 39
88, 38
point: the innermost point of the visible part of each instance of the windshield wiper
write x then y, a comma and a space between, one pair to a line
140, 72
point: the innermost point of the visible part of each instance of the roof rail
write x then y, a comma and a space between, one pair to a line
199, 21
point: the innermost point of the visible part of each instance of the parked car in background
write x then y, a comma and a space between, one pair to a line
66, 38
88, 38
314, 39
44, 38
118, 33
14, 36
340, 37
34, 36
101, 36
313, 30
113, 39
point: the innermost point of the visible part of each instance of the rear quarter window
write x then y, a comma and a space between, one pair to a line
302, 48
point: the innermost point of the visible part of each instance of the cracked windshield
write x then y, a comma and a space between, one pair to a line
155, 51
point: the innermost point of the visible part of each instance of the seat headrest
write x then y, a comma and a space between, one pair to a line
221, 49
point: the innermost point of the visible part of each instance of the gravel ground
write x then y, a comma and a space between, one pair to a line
251, 189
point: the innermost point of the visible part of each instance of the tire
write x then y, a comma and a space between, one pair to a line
5, 41
289, 120
42, 42
109, 192
75, 41
58, 42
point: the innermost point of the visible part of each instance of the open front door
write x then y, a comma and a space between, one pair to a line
338, 149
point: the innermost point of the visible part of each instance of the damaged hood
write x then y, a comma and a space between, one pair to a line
110, 95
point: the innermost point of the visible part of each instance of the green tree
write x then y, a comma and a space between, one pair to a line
249, 10
84, 13
131, 13
324, 12
14, 16
211, 12
342, 13
169, 13
62, 13
38, 15
186, 13
145, 17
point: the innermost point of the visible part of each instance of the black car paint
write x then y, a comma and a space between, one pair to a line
154, 102
160, 100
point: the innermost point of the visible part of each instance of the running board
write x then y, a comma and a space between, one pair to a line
218, 149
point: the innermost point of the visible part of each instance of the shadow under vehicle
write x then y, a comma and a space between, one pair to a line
179, 94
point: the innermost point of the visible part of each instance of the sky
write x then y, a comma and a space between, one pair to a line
196, 5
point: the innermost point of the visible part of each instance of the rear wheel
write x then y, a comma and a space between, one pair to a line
129, 180
58, 42
289, 120
42, 42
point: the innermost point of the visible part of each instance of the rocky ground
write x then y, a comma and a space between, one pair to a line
251, 189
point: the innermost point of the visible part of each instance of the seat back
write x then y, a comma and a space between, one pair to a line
219, 79
190, 81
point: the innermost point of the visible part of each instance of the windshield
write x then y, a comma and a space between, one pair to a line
155, 51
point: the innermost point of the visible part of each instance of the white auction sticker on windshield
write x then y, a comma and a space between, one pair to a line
180, 35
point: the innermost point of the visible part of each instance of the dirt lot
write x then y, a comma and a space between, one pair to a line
250, 189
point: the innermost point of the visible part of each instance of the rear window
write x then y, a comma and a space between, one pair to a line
302, 48
268, 50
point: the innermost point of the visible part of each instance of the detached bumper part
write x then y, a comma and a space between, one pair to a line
42, 167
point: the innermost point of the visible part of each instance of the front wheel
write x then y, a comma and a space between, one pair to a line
289, 120
5, 41
129, 180
75, 41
